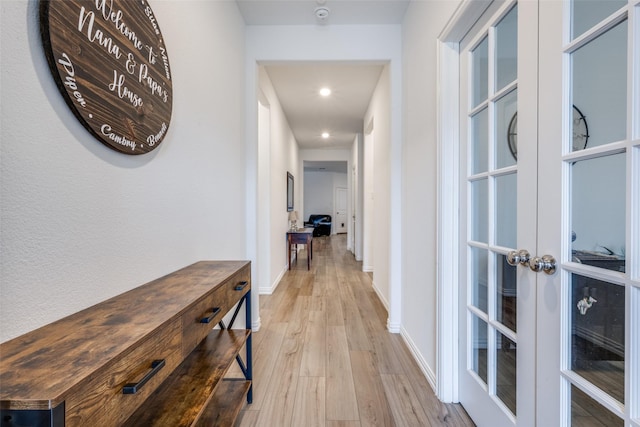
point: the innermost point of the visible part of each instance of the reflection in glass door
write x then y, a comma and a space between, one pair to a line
488, 389
596, 276
598, 188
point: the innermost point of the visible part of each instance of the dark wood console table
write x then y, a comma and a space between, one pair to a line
301, 236
148, 357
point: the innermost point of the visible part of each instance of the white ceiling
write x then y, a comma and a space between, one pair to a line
325, 166
341, 114
297, 84
341, 12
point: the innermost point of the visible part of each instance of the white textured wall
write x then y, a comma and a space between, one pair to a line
423, 23
262, 278
283, 158
356, 194
81, 222
378, 197
368, 209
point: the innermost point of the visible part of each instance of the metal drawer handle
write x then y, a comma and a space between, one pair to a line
205, 319
133, 388
240, 286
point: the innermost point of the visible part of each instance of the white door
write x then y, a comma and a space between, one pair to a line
588, 331
490, 179
340, 221
572, 355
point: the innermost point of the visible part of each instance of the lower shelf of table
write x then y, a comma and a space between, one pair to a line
195, 394
225, 405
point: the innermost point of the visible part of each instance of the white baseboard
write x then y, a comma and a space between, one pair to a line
268, 290
381, 297
255, 325
422, 364
394, 328
367, 268
265, 290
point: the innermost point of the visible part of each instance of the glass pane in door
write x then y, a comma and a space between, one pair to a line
506, 210
506, 130
480, 73
587, 13
506, 374
506, 307
507, 49
597, 340
480, 142
479, 278
480, 211
599, 90
586, 412
479, 347
598, 193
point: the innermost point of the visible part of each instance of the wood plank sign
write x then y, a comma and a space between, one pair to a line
110, 63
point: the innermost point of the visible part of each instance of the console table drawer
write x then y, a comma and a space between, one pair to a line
198, 321
235, 288
101, 400
298, 239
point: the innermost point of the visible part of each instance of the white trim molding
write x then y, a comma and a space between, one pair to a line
422, 363
268, 290
446, 380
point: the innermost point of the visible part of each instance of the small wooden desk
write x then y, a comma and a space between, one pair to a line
301, 236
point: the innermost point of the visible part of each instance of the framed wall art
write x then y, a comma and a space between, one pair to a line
289, 192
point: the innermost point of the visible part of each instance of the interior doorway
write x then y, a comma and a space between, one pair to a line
341, 207
322, 181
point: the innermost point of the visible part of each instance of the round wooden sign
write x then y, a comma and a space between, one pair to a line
109, 61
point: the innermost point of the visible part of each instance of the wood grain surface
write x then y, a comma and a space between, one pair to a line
42, 368
180, 399
109, 61
323, 356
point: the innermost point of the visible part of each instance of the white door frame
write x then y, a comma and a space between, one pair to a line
448, 80
336, 198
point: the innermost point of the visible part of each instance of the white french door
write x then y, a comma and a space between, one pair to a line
491, 175
550, 181
589, 213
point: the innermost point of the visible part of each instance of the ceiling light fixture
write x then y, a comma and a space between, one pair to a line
325, 135
325, 91
322, 13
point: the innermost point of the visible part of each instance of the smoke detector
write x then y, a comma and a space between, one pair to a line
322, 13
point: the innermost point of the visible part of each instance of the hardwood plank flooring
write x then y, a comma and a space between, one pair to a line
324, 357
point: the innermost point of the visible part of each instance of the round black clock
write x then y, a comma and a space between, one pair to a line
579, 127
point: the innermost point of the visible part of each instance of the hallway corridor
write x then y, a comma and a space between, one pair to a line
323, 356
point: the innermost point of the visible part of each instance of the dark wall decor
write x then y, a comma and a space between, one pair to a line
110, 63
289, 192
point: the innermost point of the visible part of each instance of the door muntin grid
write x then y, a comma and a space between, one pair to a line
492, 173
601, 193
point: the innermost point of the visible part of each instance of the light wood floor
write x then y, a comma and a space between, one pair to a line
323, 356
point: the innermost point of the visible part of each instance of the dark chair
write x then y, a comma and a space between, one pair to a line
321, 225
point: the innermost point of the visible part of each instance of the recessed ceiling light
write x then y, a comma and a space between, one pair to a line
325, 135
325, 91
